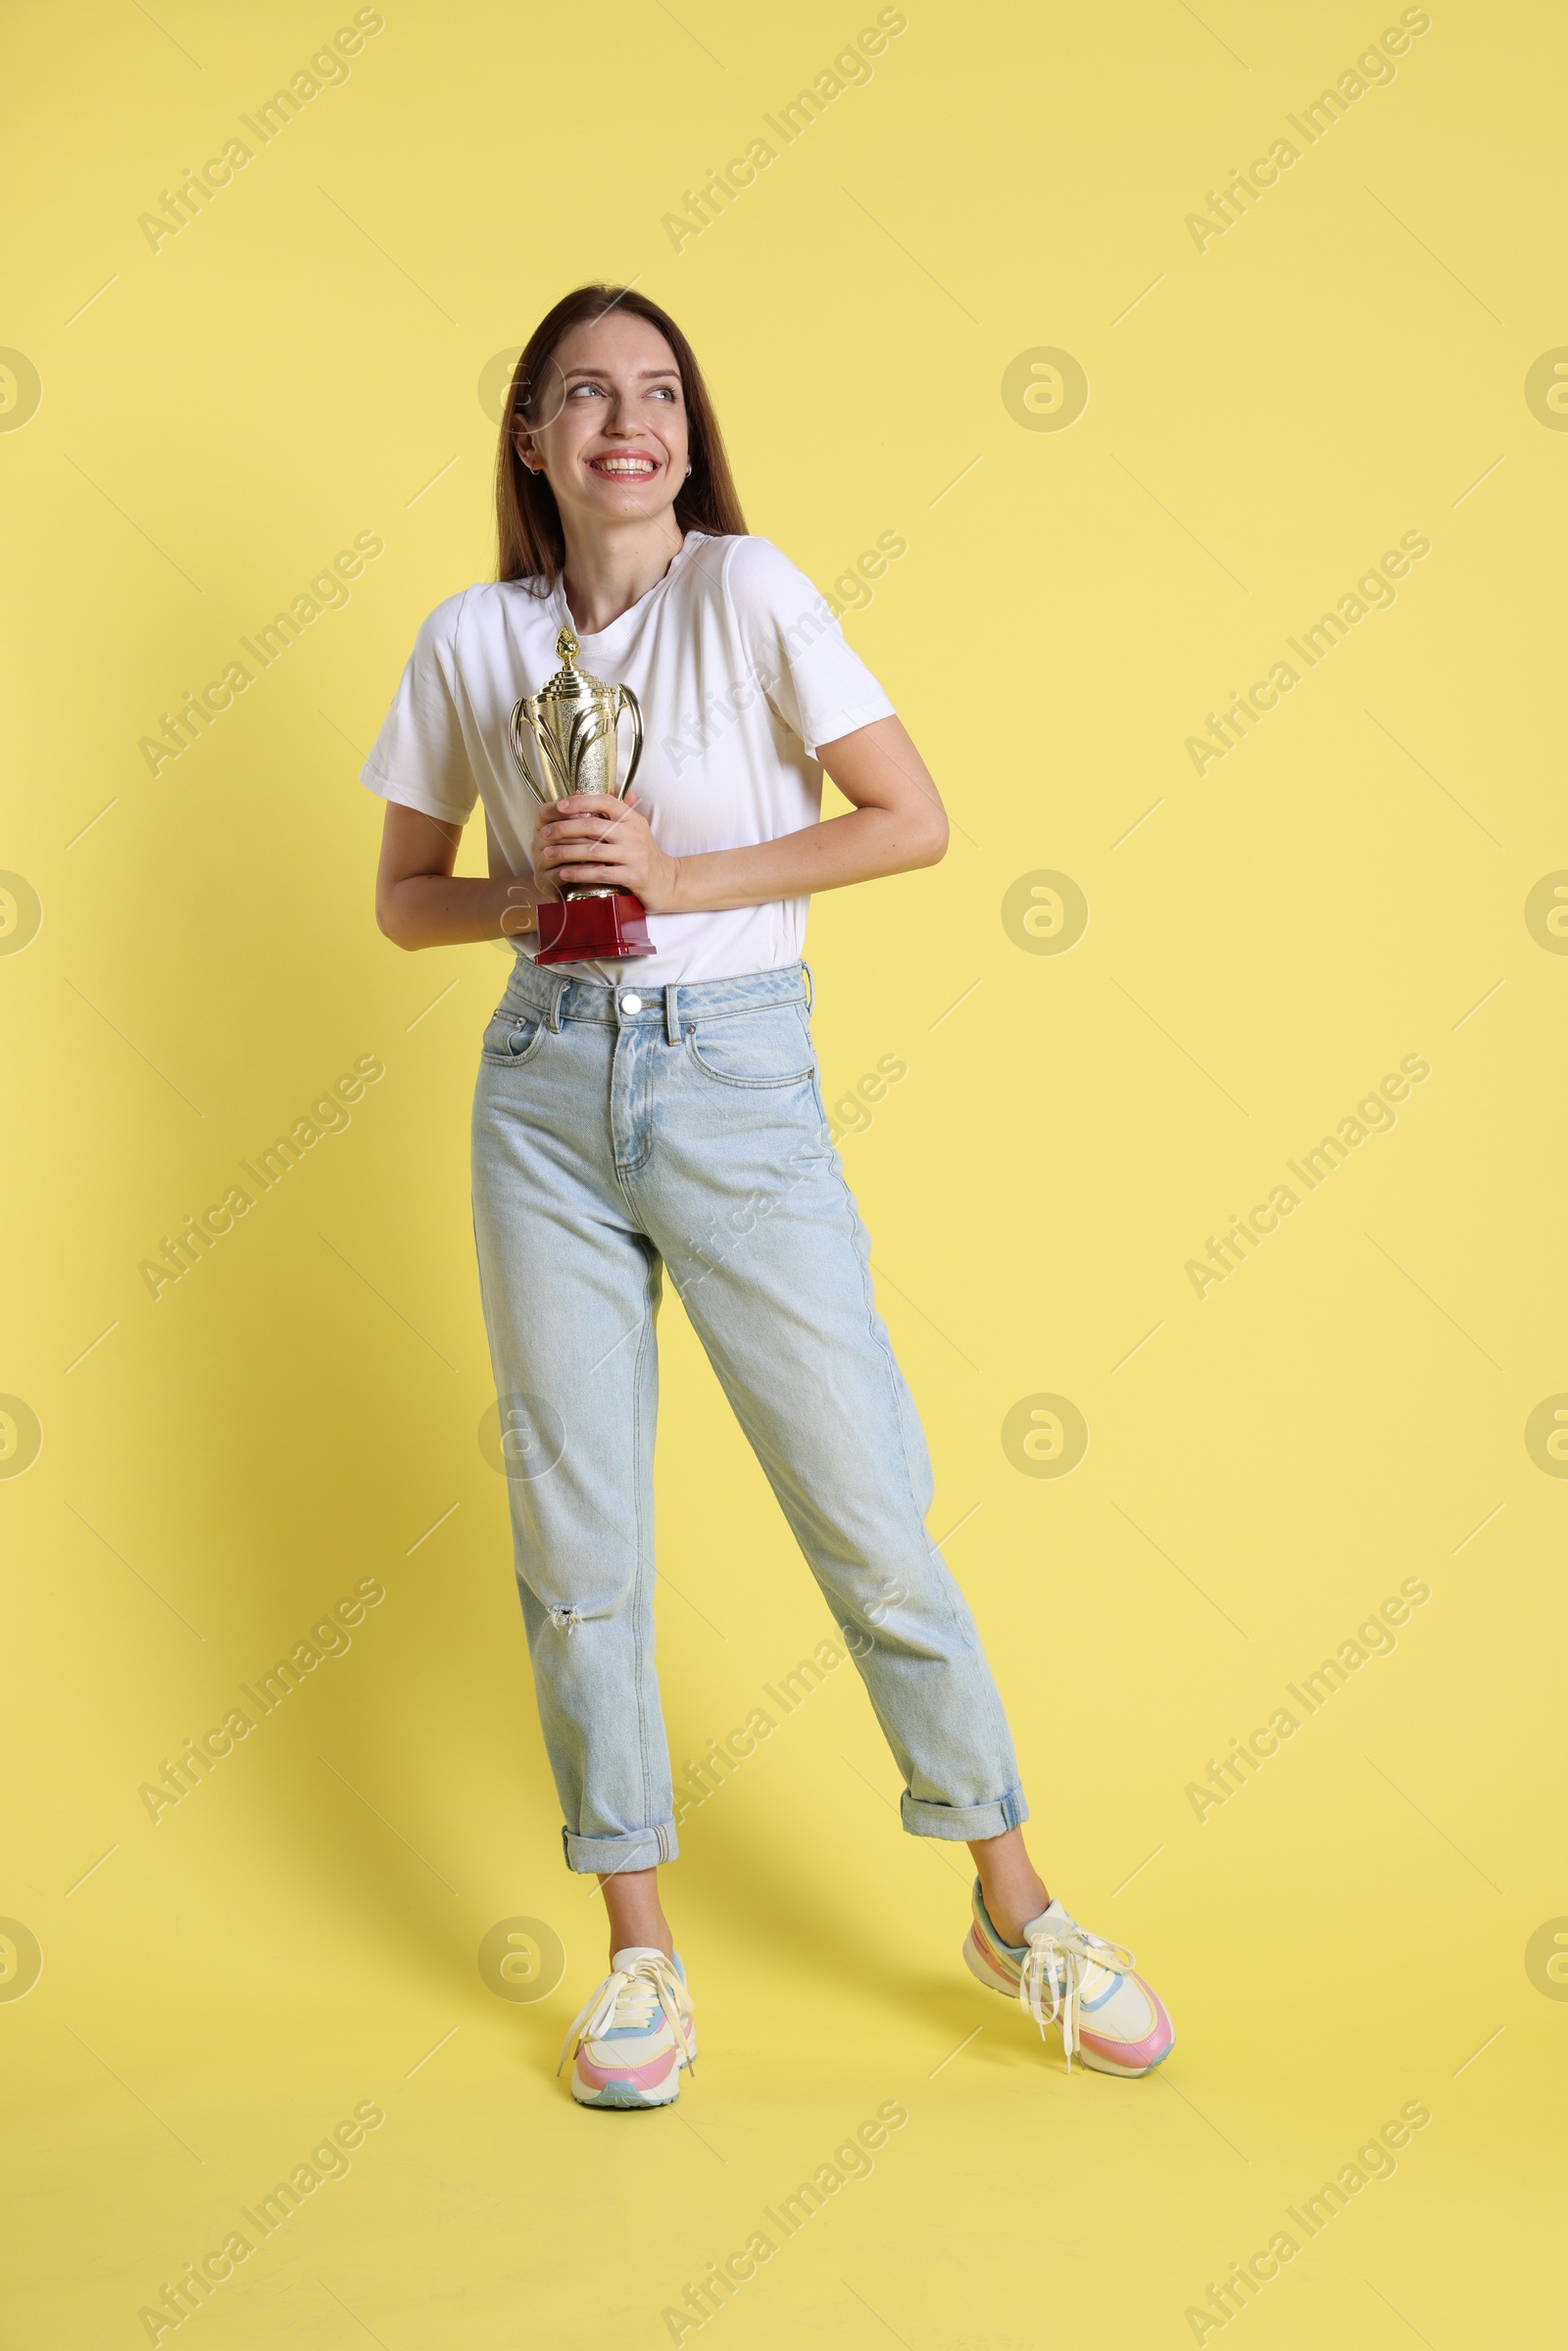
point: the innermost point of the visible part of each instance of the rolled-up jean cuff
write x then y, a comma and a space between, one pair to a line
963, 1823
642, 1849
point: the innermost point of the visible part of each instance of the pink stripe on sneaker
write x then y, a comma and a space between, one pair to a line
645, 2076
1006, 1975
1145, 2052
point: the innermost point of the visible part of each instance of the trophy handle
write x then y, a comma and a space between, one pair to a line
518, 751
627, 701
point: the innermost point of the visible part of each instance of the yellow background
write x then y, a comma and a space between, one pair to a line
1266, 417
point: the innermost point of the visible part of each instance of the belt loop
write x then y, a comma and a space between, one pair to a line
810, 986
673, 1014
557, 998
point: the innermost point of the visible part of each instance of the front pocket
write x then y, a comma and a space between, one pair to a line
754, 1048
512, 1037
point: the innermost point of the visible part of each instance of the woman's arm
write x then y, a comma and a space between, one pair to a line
420, 903
895, 824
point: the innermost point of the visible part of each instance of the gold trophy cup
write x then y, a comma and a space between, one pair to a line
573, 720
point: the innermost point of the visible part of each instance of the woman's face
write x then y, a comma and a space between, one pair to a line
610, 430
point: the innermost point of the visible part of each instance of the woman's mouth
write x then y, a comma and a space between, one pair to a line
624, 466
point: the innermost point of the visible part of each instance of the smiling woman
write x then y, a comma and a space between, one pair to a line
676, 1123
678, 428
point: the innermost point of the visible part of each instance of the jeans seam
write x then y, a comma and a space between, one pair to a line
745, 1085
662, 1836
1010, 1805
775, 1004
970, 1647
638, 1656
510, 1061
548, 994
639, 1609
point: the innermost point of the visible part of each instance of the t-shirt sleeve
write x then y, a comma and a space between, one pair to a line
419, 757
814, 682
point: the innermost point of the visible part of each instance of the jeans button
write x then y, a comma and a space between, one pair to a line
631, 1003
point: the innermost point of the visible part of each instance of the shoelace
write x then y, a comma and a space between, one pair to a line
628, 1997
1059, 1960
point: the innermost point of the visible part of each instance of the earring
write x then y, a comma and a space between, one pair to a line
688, 474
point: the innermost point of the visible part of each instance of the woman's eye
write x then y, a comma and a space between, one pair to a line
576, 389
663, 392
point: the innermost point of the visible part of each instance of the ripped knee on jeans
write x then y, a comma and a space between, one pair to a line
565, 1619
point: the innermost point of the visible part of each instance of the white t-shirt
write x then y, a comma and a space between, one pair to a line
741, 670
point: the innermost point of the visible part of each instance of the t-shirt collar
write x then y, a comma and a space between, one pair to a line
563, 610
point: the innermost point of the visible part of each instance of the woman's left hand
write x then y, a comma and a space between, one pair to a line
607, 844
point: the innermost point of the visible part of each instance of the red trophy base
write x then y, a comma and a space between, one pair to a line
593, 930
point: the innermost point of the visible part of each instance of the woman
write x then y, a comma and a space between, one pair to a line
664, 1114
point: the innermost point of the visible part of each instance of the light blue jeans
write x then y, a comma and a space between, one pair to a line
619, 1133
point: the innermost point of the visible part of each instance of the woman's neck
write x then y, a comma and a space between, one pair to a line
606, 572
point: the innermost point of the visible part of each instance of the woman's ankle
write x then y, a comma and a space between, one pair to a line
1010, 1887
1010, 1913
647, 1938
636, 1914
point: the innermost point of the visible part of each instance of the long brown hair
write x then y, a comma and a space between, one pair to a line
531, 544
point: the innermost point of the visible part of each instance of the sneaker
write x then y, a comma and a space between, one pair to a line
636, 2033
1108, 2015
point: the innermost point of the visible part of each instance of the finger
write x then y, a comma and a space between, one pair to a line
599, 877
555, 865
598, 811
577, 828
582, 804
598, 808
